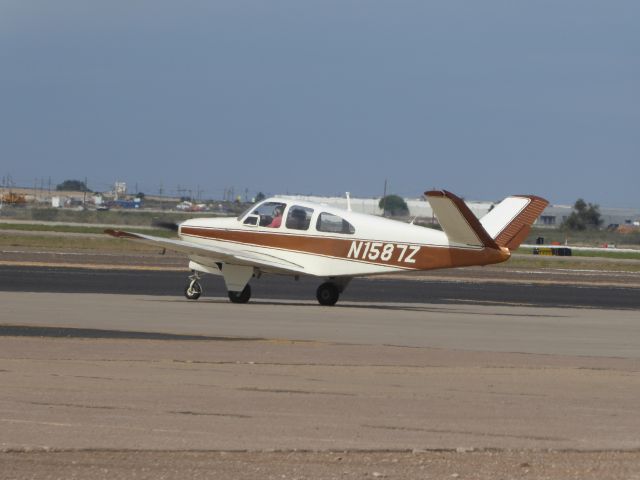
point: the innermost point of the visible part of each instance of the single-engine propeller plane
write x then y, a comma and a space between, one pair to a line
290, 237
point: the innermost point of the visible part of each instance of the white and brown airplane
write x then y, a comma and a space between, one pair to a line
283, 236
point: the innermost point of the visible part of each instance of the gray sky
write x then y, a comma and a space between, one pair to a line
483, 98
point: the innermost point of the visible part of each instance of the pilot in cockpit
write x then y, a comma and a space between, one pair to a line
277, 217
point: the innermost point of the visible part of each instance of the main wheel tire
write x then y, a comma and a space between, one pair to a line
193, 291
241, 297
327, 294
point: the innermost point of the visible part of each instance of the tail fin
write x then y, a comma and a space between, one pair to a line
510, 221
457, 221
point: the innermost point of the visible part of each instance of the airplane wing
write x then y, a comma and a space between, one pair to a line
219, 254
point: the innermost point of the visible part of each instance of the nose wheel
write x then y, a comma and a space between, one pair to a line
193, 289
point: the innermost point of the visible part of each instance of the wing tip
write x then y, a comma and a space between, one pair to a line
119, 233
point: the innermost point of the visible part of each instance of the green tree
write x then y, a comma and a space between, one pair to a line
260, 196
393, 205
584, 216
72, 185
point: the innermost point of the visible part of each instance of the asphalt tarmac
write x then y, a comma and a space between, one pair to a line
150, 282
126, 372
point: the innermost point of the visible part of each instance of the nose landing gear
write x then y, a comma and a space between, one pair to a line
193, 289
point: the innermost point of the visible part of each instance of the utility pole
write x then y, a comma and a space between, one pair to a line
384, 199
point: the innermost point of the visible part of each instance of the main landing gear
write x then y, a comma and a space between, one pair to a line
241, 297
328, 294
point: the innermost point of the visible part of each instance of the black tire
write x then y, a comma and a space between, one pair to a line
241, 297
193, 292
327, 294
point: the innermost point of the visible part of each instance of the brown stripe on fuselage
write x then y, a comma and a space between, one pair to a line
428, 257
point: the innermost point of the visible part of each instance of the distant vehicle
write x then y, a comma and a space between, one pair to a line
282, 236
136, 203
552, 250
192, 207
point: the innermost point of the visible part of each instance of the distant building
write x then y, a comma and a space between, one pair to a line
554, 215
119, 190
418, 207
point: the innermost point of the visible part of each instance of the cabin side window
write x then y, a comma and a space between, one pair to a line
251, 220
299, 217
328, 222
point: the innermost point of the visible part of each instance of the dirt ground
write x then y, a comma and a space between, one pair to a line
114, 465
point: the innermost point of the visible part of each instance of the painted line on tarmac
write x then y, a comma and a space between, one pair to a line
578, 271
510, 281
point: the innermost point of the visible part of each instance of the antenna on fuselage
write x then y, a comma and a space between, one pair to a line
348, 200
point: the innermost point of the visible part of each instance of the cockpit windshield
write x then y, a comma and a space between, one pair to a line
267, 214
246, 212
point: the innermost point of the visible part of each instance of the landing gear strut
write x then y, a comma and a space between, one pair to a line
193, 289
327, 294
240, 297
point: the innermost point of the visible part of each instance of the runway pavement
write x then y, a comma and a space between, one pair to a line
494, 328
